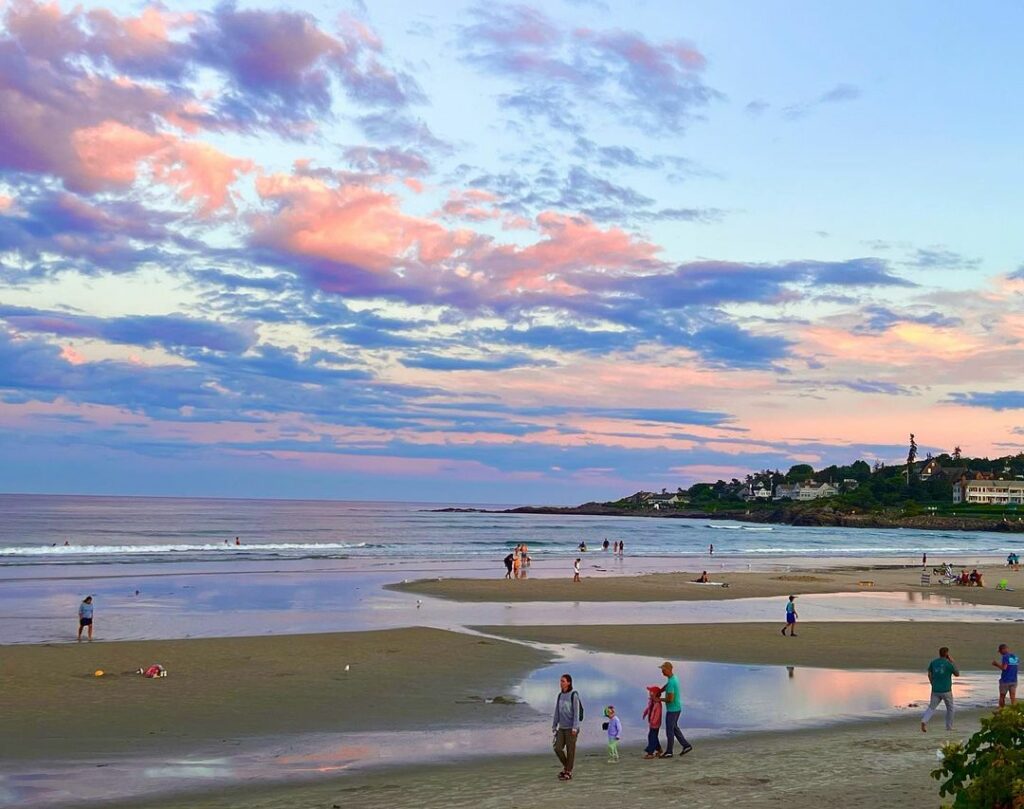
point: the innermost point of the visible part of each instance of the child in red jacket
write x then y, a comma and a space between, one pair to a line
652, 713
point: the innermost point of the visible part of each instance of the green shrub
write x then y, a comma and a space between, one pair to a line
987, 772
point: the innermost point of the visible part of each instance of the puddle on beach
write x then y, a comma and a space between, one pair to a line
290, 602
718, 699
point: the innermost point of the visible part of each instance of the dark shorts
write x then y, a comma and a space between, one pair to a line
1004, 688
790, 618
85, 621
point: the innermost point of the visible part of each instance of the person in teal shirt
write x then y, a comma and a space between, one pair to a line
941, 672
672, 697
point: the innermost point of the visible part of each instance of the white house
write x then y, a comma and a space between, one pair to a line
993, 492
808, 490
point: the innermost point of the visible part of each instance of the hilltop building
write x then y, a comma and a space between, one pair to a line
991, 492
808, 490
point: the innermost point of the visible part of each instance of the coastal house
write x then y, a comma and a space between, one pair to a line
991, 492
808, 490
664, 500
934, 469
761, 493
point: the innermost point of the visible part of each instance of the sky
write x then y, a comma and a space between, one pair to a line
507, 253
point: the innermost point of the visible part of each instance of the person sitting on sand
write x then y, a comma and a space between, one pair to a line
965, 578
977, 580
652, 713
702, 578
85, 617
576, 571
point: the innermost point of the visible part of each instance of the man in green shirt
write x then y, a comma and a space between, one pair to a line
941, 672
673, 700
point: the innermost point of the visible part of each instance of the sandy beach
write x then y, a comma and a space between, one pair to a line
221, 689
861, 766
680, 587
900, 646
223, 693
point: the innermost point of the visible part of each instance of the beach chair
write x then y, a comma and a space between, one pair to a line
926, 579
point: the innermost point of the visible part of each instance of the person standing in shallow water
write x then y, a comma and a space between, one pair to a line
85, 610
566, 726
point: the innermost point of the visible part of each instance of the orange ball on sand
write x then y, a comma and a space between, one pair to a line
98, 673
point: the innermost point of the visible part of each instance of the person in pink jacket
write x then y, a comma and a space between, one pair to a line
652, 713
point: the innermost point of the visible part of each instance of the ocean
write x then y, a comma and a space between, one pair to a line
154, 530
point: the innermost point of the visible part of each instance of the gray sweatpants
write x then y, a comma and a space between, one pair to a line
945, 696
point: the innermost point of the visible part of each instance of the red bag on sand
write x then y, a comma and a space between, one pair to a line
153, 671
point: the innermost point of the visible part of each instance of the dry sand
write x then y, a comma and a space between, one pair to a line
903, 645
221, 689
679, 586
859, 766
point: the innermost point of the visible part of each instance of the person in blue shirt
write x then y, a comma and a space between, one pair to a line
85, 617
565, 726
790, 617
1007, 664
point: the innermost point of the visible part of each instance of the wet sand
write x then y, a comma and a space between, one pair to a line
861, 766
679, 586
900, 646
221, 690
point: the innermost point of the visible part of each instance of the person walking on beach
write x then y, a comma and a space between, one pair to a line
604, 544
576, 571
1007, 664
673, 708
508, 565
85, 617
791, 617
711, 550
566, 725
614, 728
652, 713
941, 672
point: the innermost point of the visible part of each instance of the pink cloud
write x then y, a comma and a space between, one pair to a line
111, 155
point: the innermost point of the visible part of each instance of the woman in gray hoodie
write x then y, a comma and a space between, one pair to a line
566, 726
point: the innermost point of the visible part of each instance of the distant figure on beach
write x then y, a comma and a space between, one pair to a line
672, 698
583, 546
652, 713
615, 547
702, 578
622, 548
604, 545
976, 579
576, 570
238, 541
791, 617
924, 560
566, 726
1007, 664
508, 565
711, 550
941, 672
85, 617
67, 544
965, 578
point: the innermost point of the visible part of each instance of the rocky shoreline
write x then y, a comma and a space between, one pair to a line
781, 516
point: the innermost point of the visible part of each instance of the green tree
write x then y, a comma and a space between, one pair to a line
986, 772
799, 473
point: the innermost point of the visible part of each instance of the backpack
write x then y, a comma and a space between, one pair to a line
580, 701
